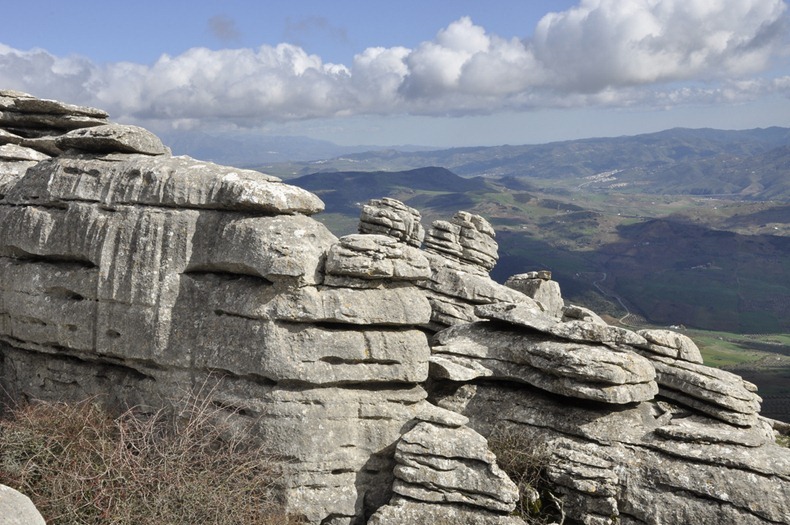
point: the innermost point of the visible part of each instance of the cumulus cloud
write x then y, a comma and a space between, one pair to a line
599, 53
605, 43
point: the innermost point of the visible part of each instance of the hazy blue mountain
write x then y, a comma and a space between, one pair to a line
243, 149
751, 164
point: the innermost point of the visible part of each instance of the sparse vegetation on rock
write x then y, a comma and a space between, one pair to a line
80, 464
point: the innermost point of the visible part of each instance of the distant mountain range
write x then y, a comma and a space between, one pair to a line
753, 164
243, 149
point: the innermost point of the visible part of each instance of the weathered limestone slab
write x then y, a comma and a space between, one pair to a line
438, 464
542, 289
467, 237
61, 122
401, 306
671, 344
587, 331
13, 152
392, 218
112, 138
255, 298
25, 103
297, 352
715, 392
448, 311
376, 257
532, 316
455, 281
579, 313
280, 248
525, 314
698, 429
160, 181
585, 371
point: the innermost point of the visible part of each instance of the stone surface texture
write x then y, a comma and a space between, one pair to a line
17, 509
393, 218
378, 369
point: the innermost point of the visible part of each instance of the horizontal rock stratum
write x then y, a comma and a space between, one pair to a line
378, 364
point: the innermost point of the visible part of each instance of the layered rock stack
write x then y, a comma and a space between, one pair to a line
133, 275
392, 218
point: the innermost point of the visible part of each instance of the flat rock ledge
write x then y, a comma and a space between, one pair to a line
581, 370
172, 182
112, 138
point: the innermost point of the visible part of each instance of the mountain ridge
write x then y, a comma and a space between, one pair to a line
648, 163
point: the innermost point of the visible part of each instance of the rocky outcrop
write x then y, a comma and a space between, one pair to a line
376, 368
646, 463
392, 218
443, 464
466, 237
17, 509
442, 470
128, 273
540, 287
585, 371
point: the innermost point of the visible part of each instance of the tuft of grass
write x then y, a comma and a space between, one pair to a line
80, 465
525, 462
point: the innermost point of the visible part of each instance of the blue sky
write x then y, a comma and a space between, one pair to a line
430, 72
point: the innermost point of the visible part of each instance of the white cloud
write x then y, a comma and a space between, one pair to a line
600, 53
605, 43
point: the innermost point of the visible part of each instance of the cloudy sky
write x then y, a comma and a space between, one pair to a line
429, 72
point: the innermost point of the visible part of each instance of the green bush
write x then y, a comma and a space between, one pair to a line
80, 465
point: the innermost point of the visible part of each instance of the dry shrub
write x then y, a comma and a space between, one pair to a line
79, 465
525, 462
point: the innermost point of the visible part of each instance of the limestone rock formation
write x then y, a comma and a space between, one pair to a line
17, 509
540, 287
587, 370
128, 273
393, 218
112, 138
443, 464
466, 237
376, 368
376, 258
645, 463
